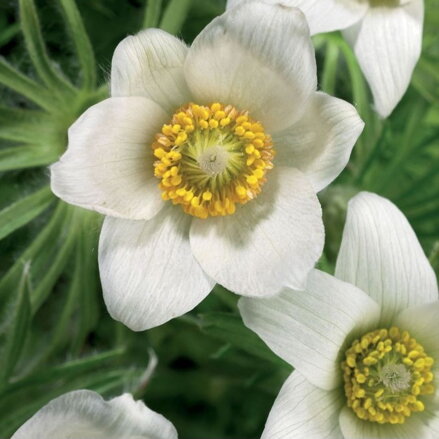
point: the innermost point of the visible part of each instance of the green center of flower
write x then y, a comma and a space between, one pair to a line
211, 158
386, 373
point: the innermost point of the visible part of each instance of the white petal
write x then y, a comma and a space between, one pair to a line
257, 57
431, 420
85, 415
387, 44
423, 323
322, 15
353, 427
308, 329
271, 242
302, 410
320, 143
150, 64
148, 273
108, 166
381, 254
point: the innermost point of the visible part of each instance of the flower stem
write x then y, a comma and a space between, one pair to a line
175, 15
152, 13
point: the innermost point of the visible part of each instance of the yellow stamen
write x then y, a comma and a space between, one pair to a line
211, 158
385, 374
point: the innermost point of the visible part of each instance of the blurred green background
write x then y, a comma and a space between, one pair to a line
214, 378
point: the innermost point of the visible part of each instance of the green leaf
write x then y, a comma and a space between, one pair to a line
66, 243
16, 329
36, 47
81, 41
16, 81
230, 329
152, 13
175, 15
40, 253
26, 156
330, 68
23, 211
9, 33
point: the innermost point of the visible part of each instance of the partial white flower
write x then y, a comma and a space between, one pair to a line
207, 161
365, 343
83, 414
386, 36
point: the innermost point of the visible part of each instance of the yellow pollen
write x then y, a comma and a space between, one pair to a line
385, 373
211, 158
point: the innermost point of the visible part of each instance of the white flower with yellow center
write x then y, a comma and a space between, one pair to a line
365, 343
386, 36
83, 414
207, 161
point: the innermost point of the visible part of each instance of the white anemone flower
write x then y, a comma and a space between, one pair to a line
206, 161
365, 343
83, 414
386, 36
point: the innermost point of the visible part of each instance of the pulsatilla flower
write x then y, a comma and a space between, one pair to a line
83, 414
206, 161
386, 36
365, 343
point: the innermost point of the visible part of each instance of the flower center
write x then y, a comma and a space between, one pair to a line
386, 373
211, 158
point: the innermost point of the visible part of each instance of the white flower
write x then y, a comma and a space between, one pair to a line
386, 36
359, 372
83, 414
206, 200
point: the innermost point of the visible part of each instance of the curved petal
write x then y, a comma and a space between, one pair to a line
302, 410
272, 242
322, 15
148, 273
257, 57
83, 414
150, 64
423, 324
387, 44
108, 166
308, 329
321, 142
353, 427
381, 254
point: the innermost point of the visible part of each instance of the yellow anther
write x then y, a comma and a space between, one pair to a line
176, 128
258, 143
250, 160
167, 130
181, 138
216, 107
361, 378
251, 179
213, 123
219, 114
189, 195
207, 196
159, 153
250, 149
239, 131
241, 191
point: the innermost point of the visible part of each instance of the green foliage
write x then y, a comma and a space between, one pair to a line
214, 378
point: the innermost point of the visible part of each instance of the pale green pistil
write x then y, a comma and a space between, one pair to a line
395, 377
